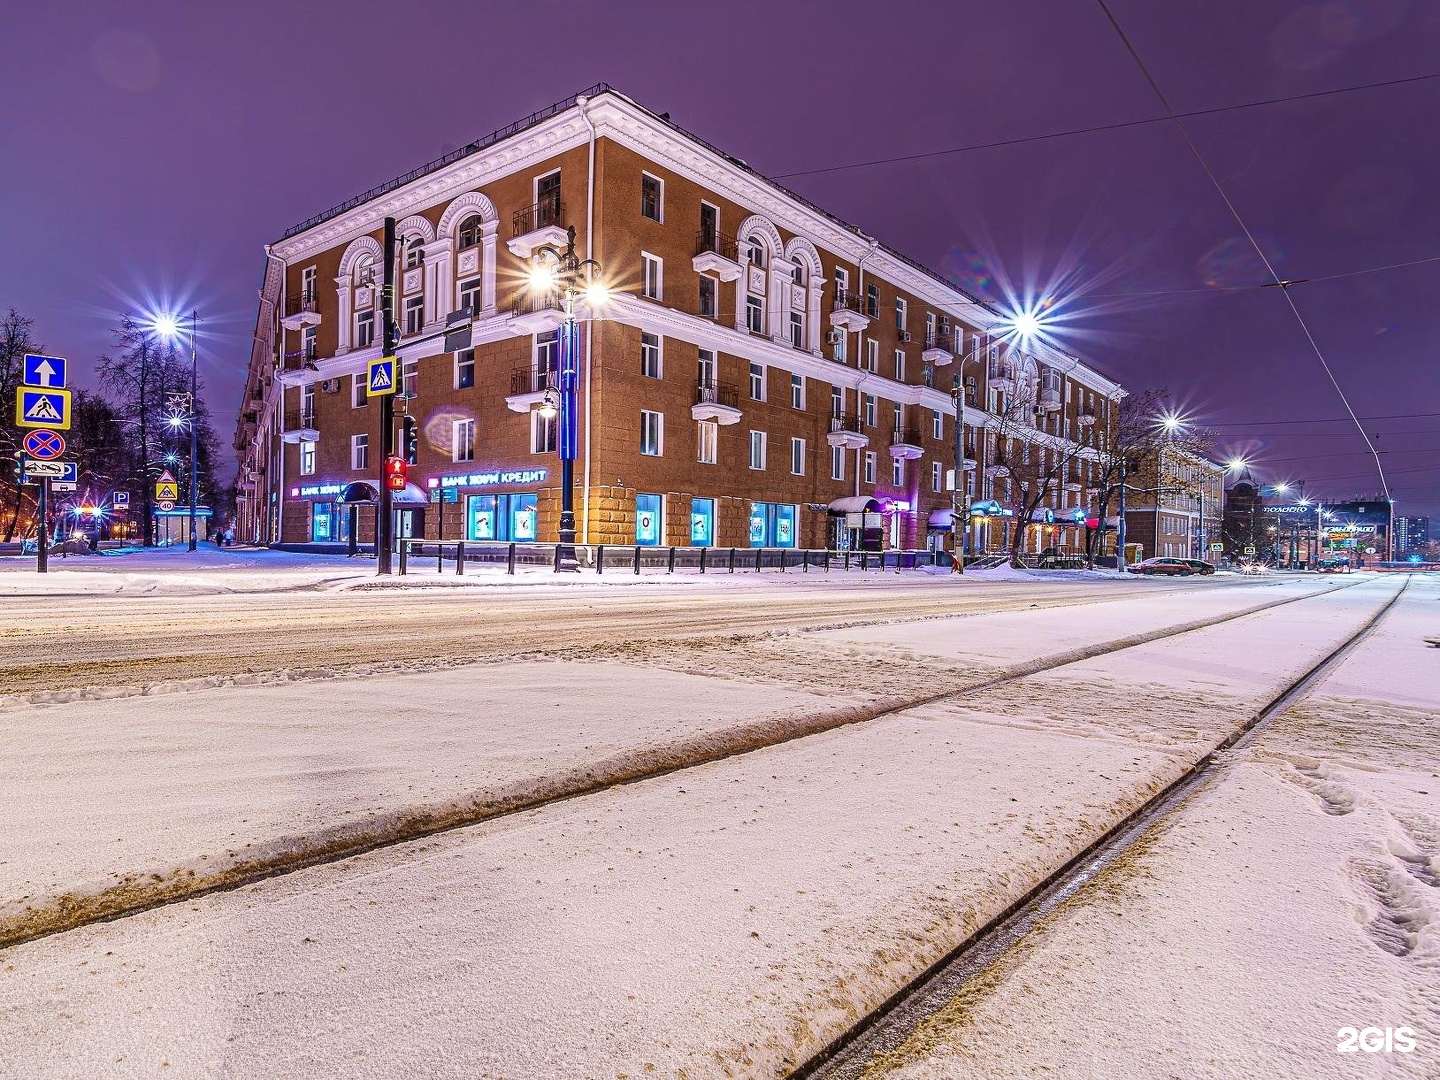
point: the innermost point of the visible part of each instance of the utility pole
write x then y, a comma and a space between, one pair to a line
390, 339
957, 536
194, 435
1120, 521
146, 490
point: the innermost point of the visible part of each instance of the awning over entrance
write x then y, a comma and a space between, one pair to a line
412, 495
855, 504
360, 492
941, 520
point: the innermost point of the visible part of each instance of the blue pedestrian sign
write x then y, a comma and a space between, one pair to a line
37, 408
44, 371
380, 377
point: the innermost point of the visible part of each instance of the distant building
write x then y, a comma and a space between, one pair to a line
1175, 505
1411, 534
1361, 528
1246, 532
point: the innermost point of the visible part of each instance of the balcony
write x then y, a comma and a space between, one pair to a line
846, 431
536, 313
300, 312
536, 225
1000, 373
972, 457
297, 368
300, 427
718, 254
1050, 390
937, 350
717, 402
905, 443
1085, 419
527, 387
848, 312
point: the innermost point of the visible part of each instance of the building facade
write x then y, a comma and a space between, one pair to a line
762, 374
1412, 534
1175, 505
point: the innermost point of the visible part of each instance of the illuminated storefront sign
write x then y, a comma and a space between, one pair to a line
490, 479
317, 491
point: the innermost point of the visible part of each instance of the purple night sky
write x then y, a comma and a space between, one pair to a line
151, 148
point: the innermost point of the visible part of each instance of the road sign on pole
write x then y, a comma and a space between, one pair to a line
121, 500
44, 445
380, 377
167, 505
36, 408
54, 470
167, 491
48, 371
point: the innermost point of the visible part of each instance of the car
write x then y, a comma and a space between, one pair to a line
1253, 569
1168, 567
1333, 566
1200, 566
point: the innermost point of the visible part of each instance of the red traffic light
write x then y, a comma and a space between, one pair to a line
1092, 522
395, 473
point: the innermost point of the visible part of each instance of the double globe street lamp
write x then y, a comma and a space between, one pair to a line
561, 274
168, 327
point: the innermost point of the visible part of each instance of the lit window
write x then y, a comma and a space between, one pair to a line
359, 452
652, 433
542, 432
757, 449
651, 268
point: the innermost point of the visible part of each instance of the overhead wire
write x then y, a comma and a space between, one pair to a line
1255, 244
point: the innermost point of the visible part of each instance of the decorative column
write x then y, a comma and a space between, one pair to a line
813, 328
344, 320
488, 233
440, 288
777, 302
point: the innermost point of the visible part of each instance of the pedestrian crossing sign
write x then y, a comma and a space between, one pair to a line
42, 407
380, 377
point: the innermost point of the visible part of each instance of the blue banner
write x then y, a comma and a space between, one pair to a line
569, 388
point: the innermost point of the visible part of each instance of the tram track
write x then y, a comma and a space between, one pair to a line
849, 1055
145, 890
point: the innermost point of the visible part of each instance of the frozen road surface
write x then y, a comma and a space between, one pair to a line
265, 820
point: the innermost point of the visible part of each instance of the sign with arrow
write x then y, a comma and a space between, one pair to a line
46, 371
37, 408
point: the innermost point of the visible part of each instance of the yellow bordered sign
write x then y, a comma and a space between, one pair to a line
380, 377
42, 407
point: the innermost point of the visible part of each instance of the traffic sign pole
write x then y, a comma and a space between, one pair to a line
41, 555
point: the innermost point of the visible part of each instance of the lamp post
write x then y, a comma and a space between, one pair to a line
571, 276
194, 434
959, 499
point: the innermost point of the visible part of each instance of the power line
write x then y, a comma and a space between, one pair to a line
1329, 420
1328, 434
1212, 289
1259, 251
1115, 126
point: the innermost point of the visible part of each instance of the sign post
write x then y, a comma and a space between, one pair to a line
42, 531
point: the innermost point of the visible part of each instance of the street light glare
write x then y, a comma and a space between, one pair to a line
1282, 488
167, 326
596, 294
1236, 464
542, 278
1026, 324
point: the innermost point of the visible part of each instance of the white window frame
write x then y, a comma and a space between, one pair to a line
713, 285
652, 352
939, 425
797, 456
462, 438
359, 390
902, 314
797, 391
872, 356
899, 365
757, 450
414, 314
462, 362
869, 467
359, 452
754, 313
797, 329
897, 472
652, 433
705, 366
842, 281
364, 320
707, 442
542, 432
307, 285
660, 200
757, 381
307, 458
870, 407
410, 378
937, 476
469, 287
840, 347
652, 276
837, 462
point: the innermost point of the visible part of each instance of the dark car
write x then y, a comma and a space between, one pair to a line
1165, 566
1200, 566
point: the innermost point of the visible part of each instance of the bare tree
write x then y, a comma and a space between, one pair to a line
16, 339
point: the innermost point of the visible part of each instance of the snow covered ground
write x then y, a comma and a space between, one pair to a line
721, 921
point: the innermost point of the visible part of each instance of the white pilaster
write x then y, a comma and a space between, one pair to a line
345, 318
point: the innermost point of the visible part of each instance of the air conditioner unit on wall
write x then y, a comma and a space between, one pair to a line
904, 335
331, 386
835, 336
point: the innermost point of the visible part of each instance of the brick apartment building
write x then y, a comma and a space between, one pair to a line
1176, 505
763, 374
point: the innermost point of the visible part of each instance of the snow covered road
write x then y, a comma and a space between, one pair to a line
725, 920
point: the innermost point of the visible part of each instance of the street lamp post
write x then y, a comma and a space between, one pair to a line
194, 435
572, 276
959, 499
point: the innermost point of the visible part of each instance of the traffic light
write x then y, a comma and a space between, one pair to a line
395, 476
19, 465
409, 440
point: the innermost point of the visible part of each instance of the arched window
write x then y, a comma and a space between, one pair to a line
365, 270
470, 231
756, 255
414, 252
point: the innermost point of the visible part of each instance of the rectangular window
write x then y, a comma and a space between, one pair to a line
542, 432
937, 476
358, 385
308, 338
463, 446
321, 520
650, 356
652, 433
359, 452
869, 410
364, 329
307, 285
709, 224
754, 314
707, 439
872, 355
547, 199
652, 197
547, 358
899, 365
307, 404
772, 525
414, 314
797, 457
839, 337
837, 463
930, 339
938, 428
465, 369
797, 391
897, 471
872, 300
649, 520
709, 307
650, 273
842, 281
410, 379
705, 367
869, 466
757, 449
757, 381
470, 296
702, 522
901, 313
307, 459
797, 329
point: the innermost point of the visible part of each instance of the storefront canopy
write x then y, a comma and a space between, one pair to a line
412, 495
941, 520
360, 492
855, 504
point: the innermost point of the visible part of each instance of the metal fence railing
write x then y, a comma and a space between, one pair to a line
637, 559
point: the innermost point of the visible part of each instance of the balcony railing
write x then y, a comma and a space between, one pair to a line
298, 360
905, 437
531, 379
849, 301
548, 211
527, 302
717, 394
295, 305
727, 247
299, 419
1001, 368
846, 422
